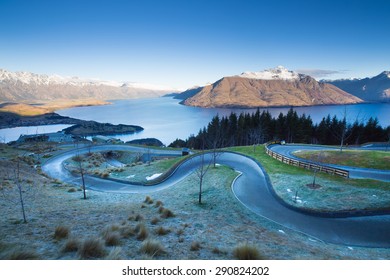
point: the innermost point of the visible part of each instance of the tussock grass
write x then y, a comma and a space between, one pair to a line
142, 232
71, 245
61, 232
112, 239
162, 231
22, 254
158, 204
166, 213
139, 218
195, 246
126, 231
152, 248
154, 221
72, 190
115, 253
247, 252
92, 248
148, 200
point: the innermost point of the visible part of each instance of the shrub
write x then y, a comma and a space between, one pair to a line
92, 249
166, 213
195, 246
112, 238
61, 232
142, 232
162, 231
152, 247
71, 190
246, 252
71, 245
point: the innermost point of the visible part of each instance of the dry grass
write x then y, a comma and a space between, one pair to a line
142, 232
154, 221
195, 246
115, 253
139, 218
152, 248
166, 213
112, 238
61, 232
158, 204
126, 231
92, 249
162, 231
23, 254
247, 252
71, 245
148, 200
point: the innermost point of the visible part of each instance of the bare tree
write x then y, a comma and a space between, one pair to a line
317, 159
81, 169
23, 190
342, 132
79, 160
201, 173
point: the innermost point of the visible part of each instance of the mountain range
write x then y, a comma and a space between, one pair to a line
272, 87
375, 89
30, 87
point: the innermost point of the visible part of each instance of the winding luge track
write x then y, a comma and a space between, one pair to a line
253, 189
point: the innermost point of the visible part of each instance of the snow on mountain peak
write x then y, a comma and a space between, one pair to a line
278, 73
38, 79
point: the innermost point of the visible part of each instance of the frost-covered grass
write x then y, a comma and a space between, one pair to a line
334, 194
133, 171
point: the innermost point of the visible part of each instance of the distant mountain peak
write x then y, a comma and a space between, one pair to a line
277, 73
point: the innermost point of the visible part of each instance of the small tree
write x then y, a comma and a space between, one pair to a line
23, 189
201, 173
317, 160
79, 160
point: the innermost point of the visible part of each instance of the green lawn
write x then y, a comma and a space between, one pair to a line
367, 159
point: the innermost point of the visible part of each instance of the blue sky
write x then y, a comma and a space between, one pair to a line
186, 43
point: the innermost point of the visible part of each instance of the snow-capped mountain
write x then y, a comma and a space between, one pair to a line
26, 86
278, 73
273, 87
375, 89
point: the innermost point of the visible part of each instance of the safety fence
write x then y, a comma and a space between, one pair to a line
304, 164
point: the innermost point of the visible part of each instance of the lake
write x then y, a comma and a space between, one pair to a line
165, 119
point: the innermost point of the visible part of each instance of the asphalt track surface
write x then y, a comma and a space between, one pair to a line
253, 189
354, 172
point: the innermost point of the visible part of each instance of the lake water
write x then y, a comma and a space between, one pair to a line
165, 119
12, 134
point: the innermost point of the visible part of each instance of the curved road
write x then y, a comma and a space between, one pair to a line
253, 189
354, 172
